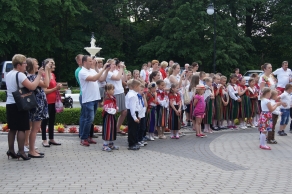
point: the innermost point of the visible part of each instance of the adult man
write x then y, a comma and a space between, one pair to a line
90, 95
283, 76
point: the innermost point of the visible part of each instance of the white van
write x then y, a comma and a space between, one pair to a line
5, 67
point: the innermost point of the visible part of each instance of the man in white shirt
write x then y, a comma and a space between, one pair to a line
283, 75
90, 95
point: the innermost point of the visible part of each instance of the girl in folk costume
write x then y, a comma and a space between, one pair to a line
218, 104
209, 111
174, 123
109, 126
253, 95
192, 92
233, 102
161, 108
245, 104
256, 78
265, 122
199, 110
151, 119
223, 92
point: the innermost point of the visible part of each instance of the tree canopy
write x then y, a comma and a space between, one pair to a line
248, 32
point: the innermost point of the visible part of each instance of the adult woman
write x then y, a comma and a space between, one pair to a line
39, 113
174, 77
154, 76
51, 94
236, 71
144, 74
18, 121
149, 67
267, 79
195, 66
115, 76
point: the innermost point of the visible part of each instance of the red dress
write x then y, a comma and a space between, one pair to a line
109, 127
174, 122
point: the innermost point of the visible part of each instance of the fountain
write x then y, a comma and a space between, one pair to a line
93, 50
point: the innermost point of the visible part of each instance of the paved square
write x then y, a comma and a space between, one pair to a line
224, 162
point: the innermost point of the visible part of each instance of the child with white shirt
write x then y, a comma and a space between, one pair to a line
285, 109
275, 114
265, 122
132, 102
233, 102
161, 108
141, 114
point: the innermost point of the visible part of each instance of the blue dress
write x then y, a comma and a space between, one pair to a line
41, 111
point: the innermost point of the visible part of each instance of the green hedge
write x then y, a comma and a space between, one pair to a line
3, 96
70, 116
75, 91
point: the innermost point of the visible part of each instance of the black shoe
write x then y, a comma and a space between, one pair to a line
12, 155
32, 156
133, 148
281, 133
285, 134
24, 157
216, 128
42, 154
94, 136
53, 143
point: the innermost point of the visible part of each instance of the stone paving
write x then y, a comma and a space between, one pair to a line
224, 162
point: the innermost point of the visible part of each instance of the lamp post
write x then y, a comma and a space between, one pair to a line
211, 11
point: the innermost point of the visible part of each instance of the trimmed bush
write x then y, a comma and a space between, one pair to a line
3, 96
70, 116
75, 91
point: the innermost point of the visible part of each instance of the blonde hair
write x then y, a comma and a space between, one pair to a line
265, 90
18, 59
207, 79
274, 93
135, 83
164, 64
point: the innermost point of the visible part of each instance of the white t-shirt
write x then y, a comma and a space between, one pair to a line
286, 98
167, 83
11, 84
282, 76
90, 91
118, 84
101, 84
264, 104
143, 74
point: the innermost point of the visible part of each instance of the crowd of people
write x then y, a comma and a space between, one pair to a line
158, 97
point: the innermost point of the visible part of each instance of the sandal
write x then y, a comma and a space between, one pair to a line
113, 147
106, 148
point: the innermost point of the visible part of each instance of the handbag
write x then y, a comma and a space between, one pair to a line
186, 96
58, 104
24, 98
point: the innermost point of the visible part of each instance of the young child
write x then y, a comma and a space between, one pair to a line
253, 95
218, 104
202, 77
132, 102
174, 123
225, 100
109, 126
209, 99
256, 78
141, 114
285, 109
245, 104
234, 100
151, 98
199, 110
265, 122
275, 115
161, 108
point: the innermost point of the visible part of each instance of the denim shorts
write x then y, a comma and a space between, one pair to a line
285, 116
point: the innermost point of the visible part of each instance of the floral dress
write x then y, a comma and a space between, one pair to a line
265, 122
41, 111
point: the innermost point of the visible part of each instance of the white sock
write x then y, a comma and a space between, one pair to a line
105, 142
263, 139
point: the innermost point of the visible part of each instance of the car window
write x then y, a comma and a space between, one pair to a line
250, 73
9, 67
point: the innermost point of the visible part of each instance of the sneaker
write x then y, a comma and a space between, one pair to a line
177, 137
248, 125
140, 144
162, 137
155, 137
84, 142
216, 129
285, 134
91, 141
134, 148
26, 149
243, 127
113, 147
281, 133
144, 142
106, 148
146, 138
265, 147
172, 137
252, 126
182, 134
151, 138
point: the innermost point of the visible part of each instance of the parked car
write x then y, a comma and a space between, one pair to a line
248, 74
5, 67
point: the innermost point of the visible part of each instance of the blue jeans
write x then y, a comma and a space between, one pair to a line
285, 116
81, 116
88, 113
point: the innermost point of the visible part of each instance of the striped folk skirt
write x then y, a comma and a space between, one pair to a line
233, 109
161, 116
173, 120
244, 107
109, 127
208, 118
218, 106
255, 109
225, 110
151, 118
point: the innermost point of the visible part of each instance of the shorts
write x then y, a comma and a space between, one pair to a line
285, 116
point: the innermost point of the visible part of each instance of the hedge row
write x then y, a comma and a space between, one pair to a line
3, 96
70, 116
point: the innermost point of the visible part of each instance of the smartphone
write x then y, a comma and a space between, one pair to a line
108, 65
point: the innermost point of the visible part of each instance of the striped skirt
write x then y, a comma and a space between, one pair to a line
208, 118
173, 120
225, 110
161, 116
255, 109
109, 127
233, 109
151, 118
244, 107
218, 106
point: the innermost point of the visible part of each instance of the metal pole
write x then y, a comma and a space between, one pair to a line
214, 60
